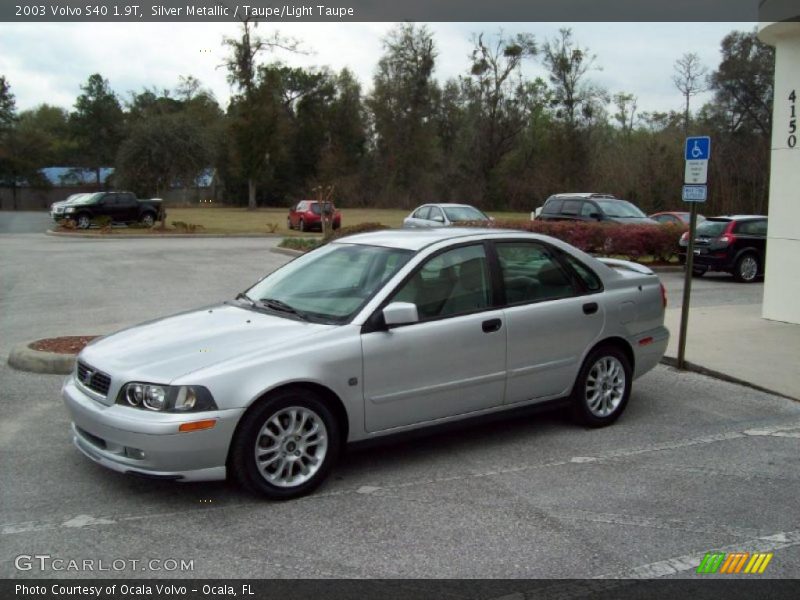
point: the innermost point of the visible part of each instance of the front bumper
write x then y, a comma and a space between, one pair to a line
114, 436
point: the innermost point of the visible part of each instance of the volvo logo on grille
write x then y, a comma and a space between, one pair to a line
87, 376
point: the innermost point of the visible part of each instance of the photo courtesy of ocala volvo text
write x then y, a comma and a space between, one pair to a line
369, 335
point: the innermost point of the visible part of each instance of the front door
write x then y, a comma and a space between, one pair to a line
451, 362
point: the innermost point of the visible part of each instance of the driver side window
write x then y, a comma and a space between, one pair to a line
452, 283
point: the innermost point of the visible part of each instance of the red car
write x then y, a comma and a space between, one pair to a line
674, 217
307, 215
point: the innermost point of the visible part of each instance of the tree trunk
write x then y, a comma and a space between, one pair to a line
251, 194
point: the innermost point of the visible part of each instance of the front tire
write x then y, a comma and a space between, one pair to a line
286, 445
746, 268
289, 224
302, 225
148, 219
83, 221
603, 387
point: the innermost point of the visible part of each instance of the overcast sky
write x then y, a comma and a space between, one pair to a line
48, 62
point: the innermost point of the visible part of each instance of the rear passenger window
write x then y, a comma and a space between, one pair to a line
571, 207
532, 273
588, 277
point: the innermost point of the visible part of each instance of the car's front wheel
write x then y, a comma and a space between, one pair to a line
289, 224
286, 445
302, 225
148, 219
746, 269
603, 387
83, 221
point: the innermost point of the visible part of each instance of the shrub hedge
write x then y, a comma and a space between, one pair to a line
631, 241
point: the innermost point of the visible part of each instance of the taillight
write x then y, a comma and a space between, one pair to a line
663, 295
726, 239
685, 236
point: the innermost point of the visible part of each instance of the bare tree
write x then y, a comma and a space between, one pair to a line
690, 78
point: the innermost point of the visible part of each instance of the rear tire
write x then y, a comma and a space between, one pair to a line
746, 268
148, 219
602, 388
285, 446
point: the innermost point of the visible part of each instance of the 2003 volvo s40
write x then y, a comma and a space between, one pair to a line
366, 336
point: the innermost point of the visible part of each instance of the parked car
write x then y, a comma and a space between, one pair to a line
734, 244
592, 207
121, 207
307, 215
57, 208
363, 337
673, 217
443, 215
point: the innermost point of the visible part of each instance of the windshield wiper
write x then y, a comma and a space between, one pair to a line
282, 307
245, 297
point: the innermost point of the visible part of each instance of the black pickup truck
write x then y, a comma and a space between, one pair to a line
121, 207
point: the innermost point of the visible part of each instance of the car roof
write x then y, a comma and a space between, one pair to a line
417, 239
584, 195
446, 205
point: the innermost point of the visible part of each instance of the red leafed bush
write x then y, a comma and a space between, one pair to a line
660, 242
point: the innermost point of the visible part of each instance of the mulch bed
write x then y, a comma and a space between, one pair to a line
71, 344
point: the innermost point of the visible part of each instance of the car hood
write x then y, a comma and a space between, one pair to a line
162, 350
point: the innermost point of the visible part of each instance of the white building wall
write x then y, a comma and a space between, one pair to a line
782, 281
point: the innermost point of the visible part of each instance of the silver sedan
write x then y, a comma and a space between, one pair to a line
443, 215
367, 336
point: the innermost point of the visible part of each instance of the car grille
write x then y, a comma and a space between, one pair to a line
94, 380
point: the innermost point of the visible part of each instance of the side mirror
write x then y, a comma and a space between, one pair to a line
596, 216
400, 313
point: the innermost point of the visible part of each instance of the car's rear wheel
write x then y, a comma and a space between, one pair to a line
746, 269
286, 445
148, 219
602, 388
83, 221
699, 272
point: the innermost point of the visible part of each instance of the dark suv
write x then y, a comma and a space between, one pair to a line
592, 207
736, 245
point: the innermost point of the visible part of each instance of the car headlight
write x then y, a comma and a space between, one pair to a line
69, 209
166, 398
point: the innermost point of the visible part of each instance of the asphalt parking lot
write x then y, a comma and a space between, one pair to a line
694, 464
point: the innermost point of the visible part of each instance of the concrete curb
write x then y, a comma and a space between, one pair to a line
24, 358
287, 251
673, 362
158, 236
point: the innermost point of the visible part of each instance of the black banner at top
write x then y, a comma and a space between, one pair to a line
134, 11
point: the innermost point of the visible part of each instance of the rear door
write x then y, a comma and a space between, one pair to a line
127, 207
451, 362
752, 233
551, 317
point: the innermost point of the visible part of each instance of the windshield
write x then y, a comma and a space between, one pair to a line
86, 198
331, 283
464, 213
620, 209
711, 228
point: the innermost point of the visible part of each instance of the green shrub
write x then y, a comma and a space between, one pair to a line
354, 229
302, 244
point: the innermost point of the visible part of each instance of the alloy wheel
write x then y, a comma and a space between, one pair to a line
605, 386
291, 446
748, 268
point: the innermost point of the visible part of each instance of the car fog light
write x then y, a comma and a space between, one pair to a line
154, 397
135, 394
134, 453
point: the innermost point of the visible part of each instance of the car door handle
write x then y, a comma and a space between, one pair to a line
590, 308
492, 325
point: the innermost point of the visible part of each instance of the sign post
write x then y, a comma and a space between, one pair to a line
697, 153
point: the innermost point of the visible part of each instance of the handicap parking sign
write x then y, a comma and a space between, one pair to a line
698, 148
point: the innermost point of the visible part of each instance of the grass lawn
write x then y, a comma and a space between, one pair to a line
241, 220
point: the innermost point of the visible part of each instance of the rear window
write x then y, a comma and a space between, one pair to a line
752, 227
712, 227
553, 206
